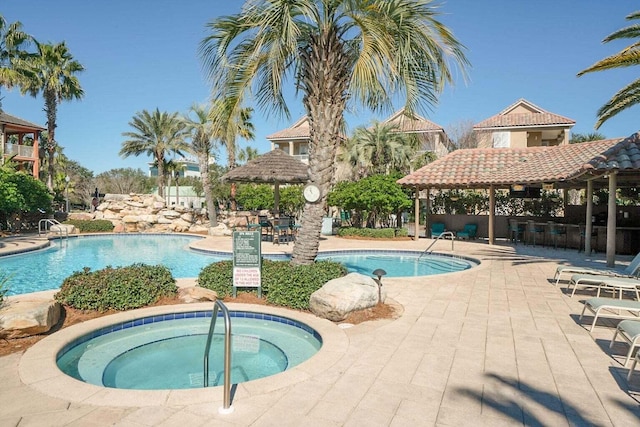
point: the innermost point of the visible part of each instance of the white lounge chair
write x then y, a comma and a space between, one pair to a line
612, 283
633, 269
629, 330
611, 307
633, 366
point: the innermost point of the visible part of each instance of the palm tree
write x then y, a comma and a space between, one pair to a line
13, 41
577, 138
155, 134
336, 50
52, 70
629, 95
231, 121
246, 154
379, 149
200, 129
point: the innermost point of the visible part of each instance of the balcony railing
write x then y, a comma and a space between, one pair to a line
18, 150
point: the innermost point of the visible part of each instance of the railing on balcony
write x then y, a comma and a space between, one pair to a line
18, 150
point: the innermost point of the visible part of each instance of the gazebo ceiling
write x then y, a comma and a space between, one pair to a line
567, 166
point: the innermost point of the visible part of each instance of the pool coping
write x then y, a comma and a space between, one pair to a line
38, 370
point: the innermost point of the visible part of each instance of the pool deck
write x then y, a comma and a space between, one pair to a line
495, 345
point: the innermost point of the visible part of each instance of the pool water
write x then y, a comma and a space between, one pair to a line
47, 269
399, 263
168, 354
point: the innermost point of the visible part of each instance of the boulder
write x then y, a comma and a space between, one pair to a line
196, 294
220, 230
339, 297
28, 316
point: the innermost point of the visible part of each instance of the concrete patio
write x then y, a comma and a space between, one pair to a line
494, 345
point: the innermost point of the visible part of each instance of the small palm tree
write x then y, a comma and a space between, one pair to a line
336, 50
155, 134
13, 41
230, 121
629, 95
200, 129
52, 71
379, 149
246, 154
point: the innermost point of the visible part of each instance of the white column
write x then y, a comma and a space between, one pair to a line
492, 214
416, 213
588, 229
611, 221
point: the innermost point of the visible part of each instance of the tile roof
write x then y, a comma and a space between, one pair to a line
481, 167
299, 129
416, 123
535, 116
16, 121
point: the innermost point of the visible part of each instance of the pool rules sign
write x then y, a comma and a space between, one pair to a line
247, 261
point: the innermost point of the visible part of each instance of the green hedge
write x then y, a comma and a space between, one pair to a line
284, 284
91, 226
121, 288
376, 233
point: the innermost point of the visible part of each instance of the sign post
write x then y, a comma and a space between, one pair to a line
247, 261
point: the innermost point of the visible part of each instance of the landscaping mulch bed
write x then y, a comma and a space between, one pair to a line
71, 316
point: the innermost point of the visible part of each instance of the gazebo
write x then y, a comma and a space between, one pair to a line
609, 163
275, 167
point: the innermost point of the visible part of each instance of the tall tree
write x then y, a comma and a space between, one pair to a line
122, 181
629, 95
155, 134
336, 50
52, 71
231, 121
200, 129
13, 42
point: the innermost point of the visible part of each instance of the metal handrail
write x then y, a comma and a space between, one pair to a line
440, 236
226, 409
42, 227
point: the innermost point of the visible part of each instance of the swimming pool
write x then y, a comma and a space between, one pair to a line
166, 351
46, 269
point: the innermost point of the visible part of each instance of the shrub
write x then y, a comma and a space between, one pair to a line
218, 277
374, 233
121, 288
91, 226
4, 279
284, 284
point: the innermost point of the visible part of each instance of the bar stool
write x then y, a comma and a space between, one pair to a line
516, 231
533, 230
594, 242
557, 230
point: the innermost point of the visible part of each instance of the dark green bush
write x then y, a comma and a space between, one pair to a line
375, 233
283, 284
218, 277
4, 279
91, 226
121, 288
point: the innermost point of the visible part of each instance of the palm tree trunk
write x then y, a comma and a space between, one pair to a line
51, 110
325, 81
203, 165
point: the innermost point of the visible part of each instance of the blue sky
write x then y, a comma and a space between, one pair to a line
142, 54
